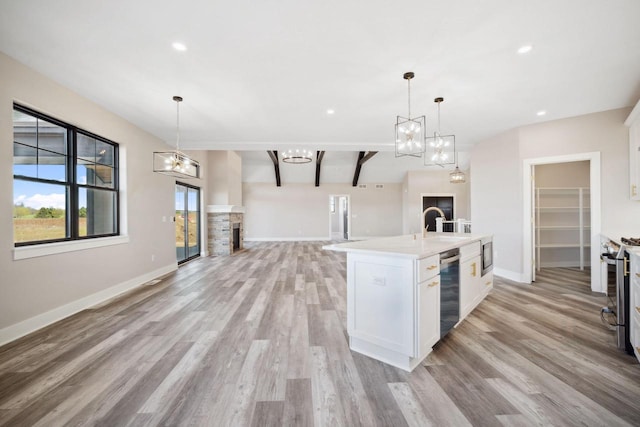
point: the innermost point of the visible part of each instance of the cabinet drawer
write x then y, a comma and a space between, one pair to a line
469, 251
428, 267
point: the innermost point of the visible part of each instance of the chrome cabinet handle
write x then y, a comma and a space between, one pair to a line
432, 284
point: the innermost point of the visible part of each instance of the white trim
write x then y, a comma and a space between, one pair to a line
286, 239
595, 208
225, 209
509, 275
17, 330
635, 114
25, 252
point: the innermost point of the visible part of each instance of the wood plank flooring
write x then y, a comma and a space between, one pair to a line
260, 339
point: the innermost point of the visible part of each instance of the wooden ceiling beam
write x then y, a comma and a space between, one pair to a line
276, 165
362, 158
319, 157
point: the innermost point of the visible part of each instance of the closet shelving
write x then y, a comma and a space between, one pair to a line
562, 226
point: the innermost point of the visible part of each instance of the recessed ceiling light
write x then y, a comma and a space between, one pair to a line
179, 46
541, 113
525, 49
331, 111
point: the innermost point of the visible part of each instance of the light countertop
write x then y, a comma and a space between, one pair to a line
409, 245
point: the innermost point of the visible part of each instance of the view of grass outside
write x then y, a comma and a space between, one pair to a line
193, 229
30, 224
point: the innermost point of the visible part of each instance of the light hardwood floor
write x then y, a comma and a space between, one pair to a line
259, 338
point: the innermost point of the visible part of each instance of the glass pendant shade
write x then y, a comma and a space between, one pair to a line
176, 163
410, 136
297, 156
457, 176
441, 150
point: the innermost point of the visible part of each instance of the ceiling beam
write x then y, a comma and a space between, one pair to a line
276, 165
362, 158
319, 157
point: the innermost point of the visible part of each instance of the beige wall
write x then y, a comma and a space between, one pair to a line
39, 290
497, 177
568, 174
301, 211
417, 183
224, 178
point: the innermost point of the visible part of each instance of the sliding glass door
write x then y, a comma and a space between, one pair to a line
187, 222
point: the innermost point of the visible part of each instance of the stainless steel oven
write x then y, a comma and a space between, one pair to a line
487, 255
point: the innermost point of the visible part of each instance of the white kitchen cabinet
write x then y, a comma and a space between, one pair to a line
470, 270
633, 122
428, 314
634, 303
562, 227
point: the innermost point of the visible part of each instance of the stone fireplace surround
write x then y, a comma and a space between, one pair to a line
221, 220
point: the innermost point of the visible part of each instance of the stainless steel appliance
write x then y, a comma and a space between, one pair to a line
449, 290
617, 259
487, 255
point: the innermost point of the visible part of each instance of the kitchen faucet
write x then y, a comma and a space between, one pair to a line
425, 226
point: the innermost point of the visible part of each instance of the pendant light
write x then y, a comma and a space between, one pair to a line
297, 156
410, 132
442, 148
176, 163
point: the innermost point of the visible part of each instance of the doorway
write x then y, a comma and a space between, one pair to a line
187, 220
591, 237
339, 218
446, 202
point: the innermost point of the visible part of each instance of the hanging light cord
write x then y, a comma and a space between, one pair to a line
438, 118
177, 126
409, 97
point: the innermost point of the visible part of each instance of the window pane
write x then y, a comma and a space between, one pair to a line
97, 212
52, 166
86, 147
52, 137
25, 160
85, 172
104, 153
192, 220
104, 176
39, 211
25, 128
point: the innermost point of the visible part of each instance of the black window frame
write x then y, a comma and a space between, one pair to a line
72, 186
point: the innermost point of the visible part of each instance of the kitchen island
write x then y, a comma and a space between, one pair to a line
394, 295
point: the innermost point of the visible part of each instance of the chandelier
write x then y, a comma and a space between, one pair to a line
410, 132
297, 156
176, 163
442, 148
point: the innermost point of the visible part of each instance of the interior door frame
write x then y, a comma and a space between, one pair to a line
597, 280
348, 197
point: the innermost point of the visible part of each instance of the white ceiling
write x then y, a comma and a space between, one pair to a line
260, 75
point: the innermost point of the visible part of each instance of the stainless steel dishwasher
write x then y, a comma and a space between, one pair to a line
449, 290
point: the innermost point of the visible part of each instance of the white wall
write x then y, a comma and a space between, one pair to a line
40, 290
497, 178
301, 211
419, 182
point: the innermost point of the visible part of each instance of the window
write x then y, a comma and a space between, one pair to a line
65, 181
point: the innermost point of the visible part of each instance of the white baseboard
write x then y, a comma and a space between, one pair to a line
287, 239
553, 264
509, 275
15, 331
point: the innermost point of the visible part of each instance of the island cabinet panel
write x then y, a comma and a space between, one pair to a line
428, 315
380, 299
634, 303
